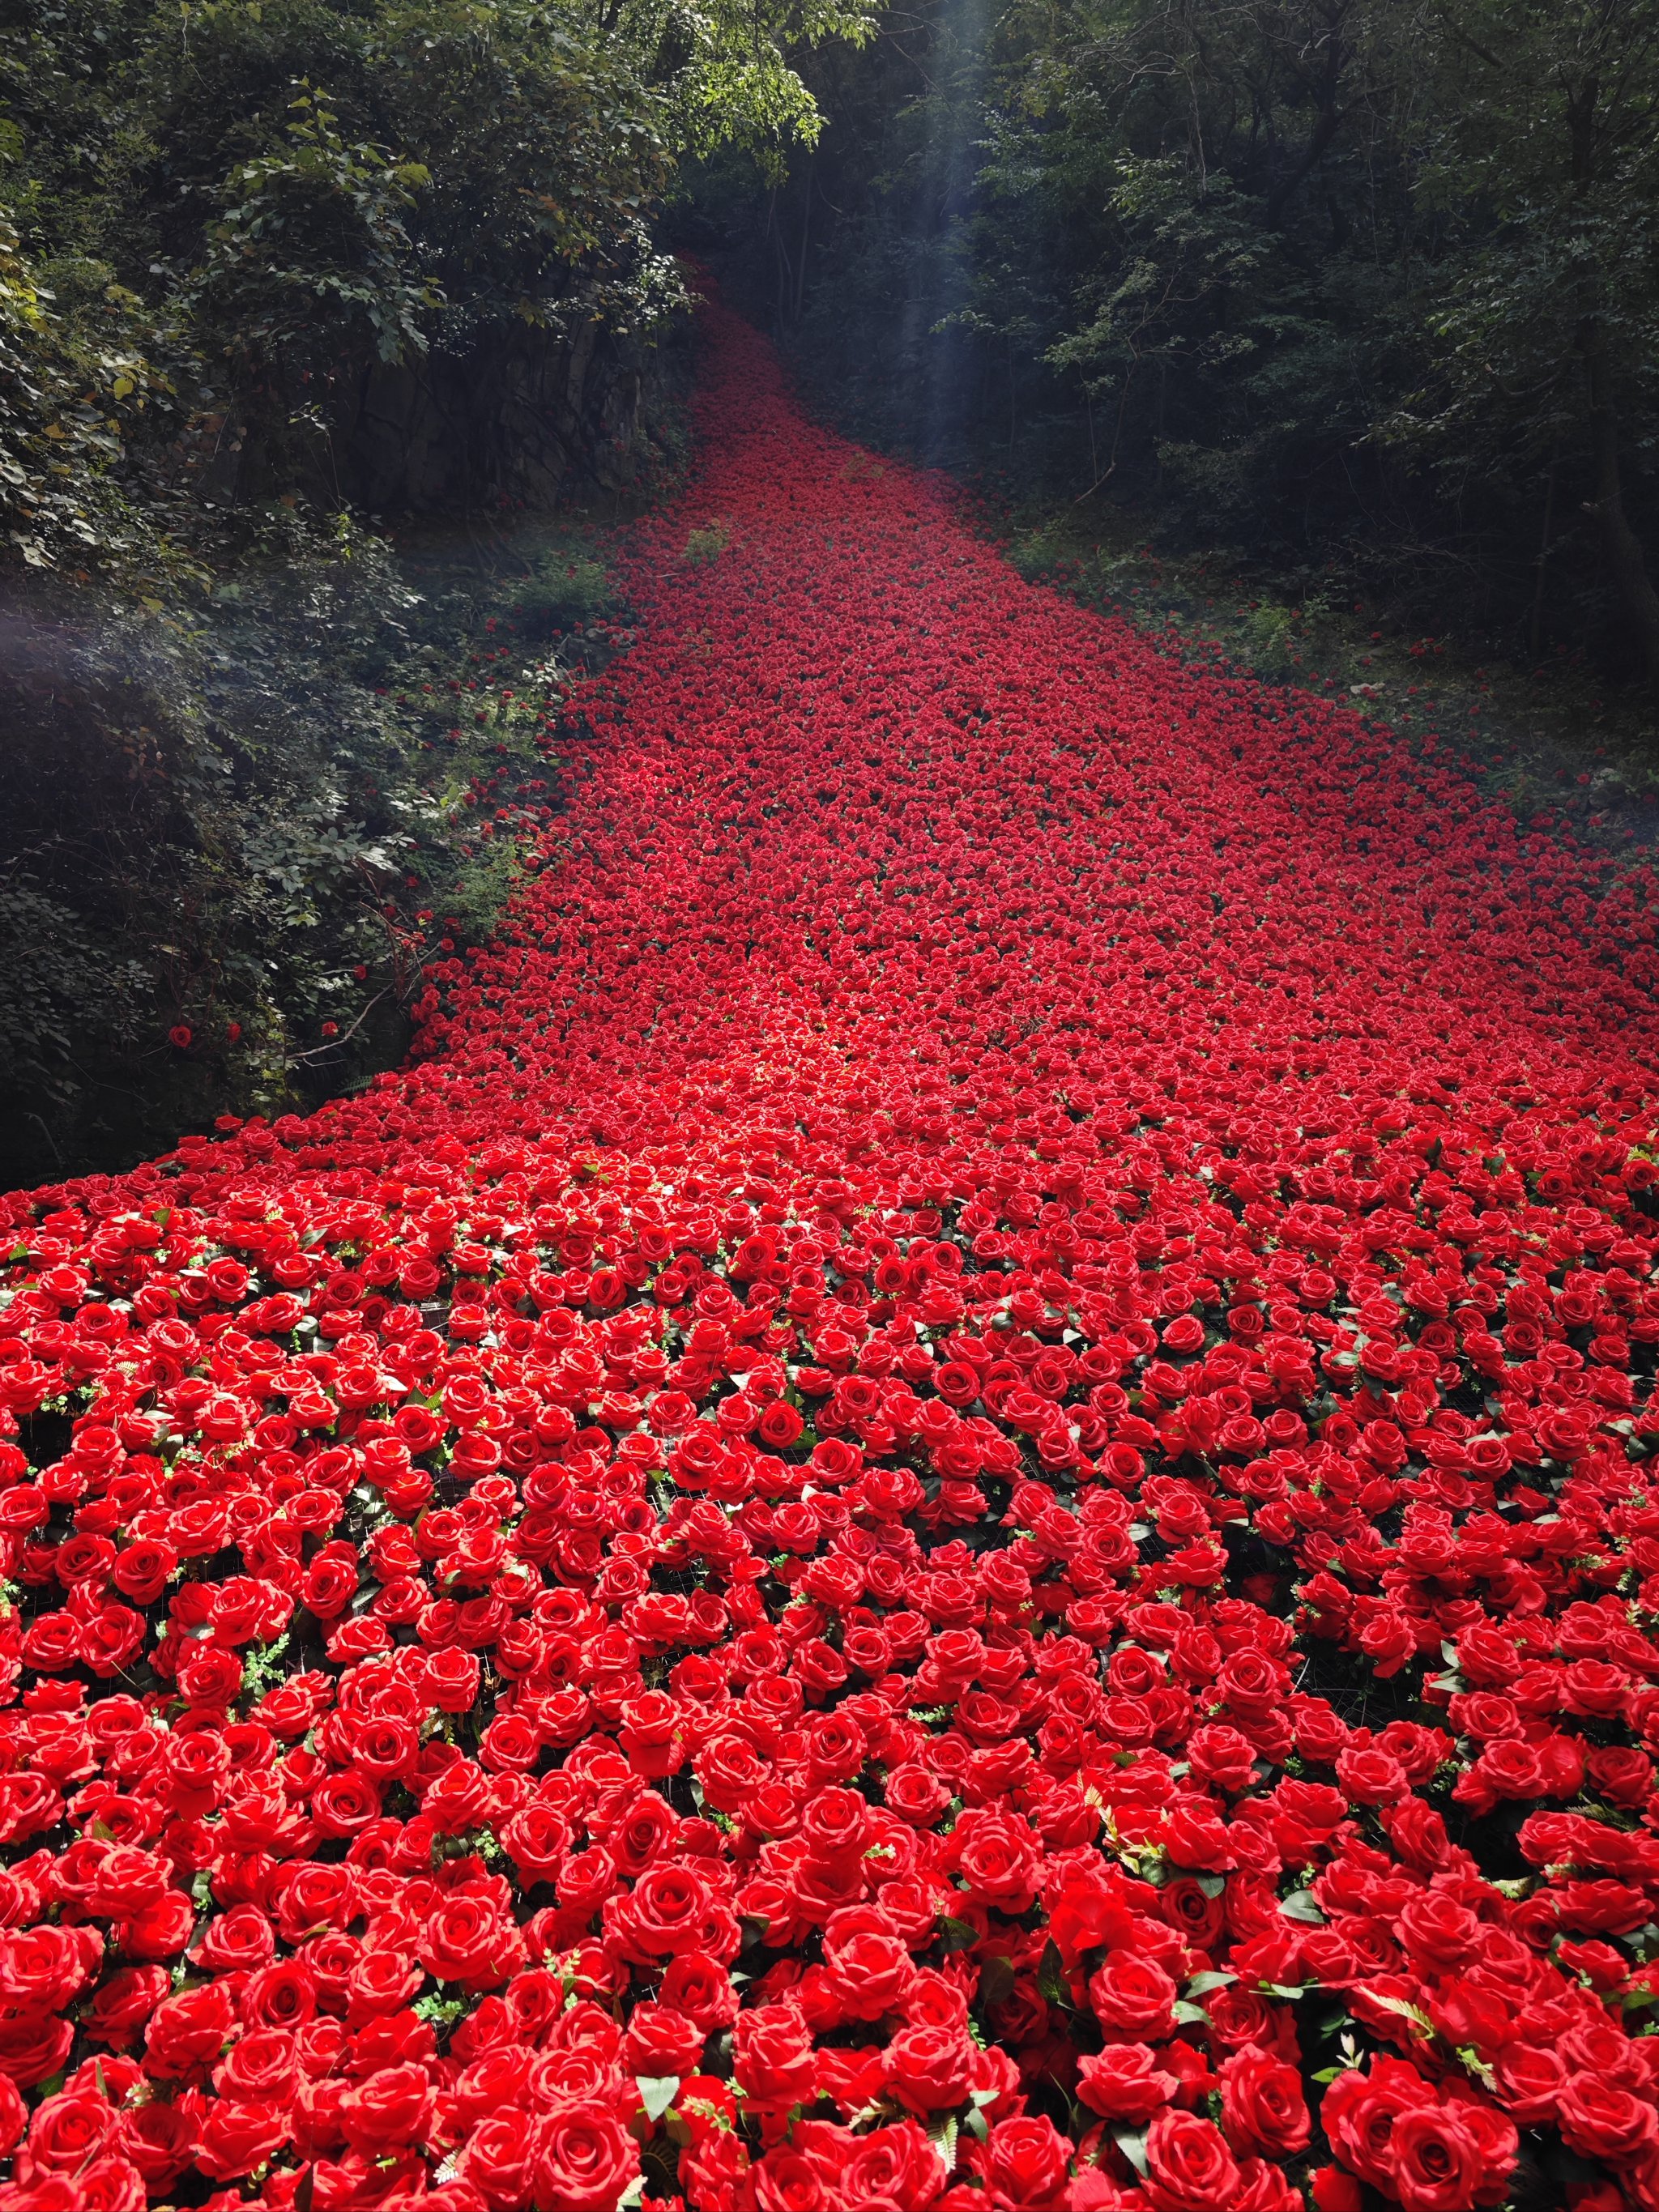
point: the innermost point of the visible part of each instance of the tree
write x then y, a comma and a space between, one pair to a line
1543, 144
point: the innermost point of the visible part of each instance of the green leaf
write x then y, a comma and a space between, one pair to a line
1131, 2141
657, 2092
1201, 1985
1301, 1904
1190, 2015
957, 1934
1051, 1975
996, 1982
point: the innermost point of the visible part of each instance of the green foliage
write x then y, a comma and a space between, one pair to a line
707, 543
285, 806
311, 259
567, 589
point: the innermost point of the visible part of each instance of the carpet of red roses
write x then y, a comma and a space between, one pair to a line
950, 1509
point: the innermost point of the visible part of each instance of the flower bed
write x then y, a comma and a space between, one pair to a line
951, 1509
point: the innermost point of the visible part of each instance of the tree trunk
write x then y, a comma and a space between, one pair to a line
1625, 559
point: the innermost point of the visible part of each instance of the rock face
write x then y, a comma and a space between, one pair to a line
524, 415
525, 418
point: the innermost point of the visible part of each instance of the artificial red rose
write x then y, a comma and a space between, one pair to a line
1601, 2120
930, 2069
1528, 2082
381, 1982
661, 2040
1442, 2160
1371, 1777
773, 2059
1189, 2166
896, 2164
1088, 1908
261, 2067
188, 2030
867, 1968
583, 2160
669, 1908
67, 2132
344, 1804
1360, 2111
236, 2136
160, 2140
466, 1939
1124, 2082
700, 1989
1263, 2110
785, 2181
14, 2116
997, 1857
499, 2159
1133, 1999
1027, 2164
388, 2112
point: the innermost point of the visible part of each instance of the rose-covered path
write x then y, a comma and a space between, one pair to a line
949, 1507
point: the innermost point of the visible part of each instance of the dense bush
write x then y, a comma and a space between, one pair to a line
276, 812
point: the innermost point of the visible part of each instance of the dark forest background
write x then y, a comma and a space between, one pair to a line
1351, 289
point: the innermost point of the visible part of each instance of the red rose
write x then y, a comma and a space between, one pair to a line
535, 1838
584, 2161
930, 2068
867, 1968
700, 1988
68, 2132
1027, 2164
344, 1804
260, 2067
14, 2116
1262, 2107
772, 2058
451, 1680
1601, 2120
389, 2112
159, 2141
188, 2031
1445, 2158
1133, 1999
499, 2158
894, 2164
1189, 2166
1371, 1777
670, 1909
1123, 2082
466, 1939
1360, 2111
236, 2136
998, 1856
785, 2181
661, 2040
